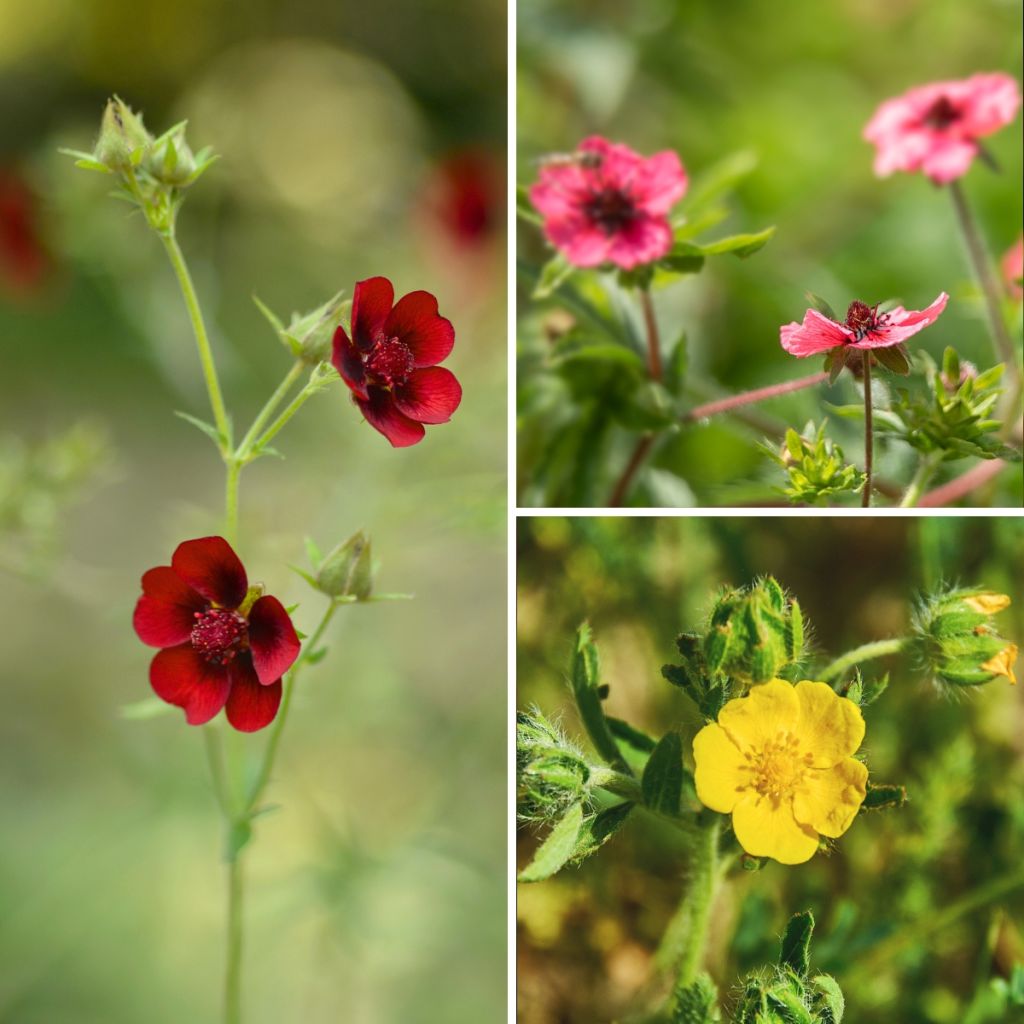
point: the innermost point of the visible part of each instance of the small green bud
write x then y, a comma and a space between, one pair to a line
123, 138
170, 159
551, 774
348, 571
309, 336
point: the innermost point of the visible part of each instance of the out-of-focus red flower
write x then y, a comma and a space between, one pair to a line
222, 644
390, 361
23, 258
466, 196
608, 204
935, 128
864, 327
1012, 265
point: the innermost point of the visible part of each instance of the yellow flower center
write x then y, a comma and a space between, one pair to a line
778, 768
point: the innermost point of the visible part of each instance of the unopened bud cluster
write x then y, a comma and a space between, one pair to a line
347, 572
955, 637
309, 336
551, 774
817, 469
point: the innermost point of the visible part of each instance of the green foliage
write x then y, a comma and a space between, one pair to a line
662, 781
816, 467
696, 1003
585, 680
551, 773
796, 943
308, 336
555, 851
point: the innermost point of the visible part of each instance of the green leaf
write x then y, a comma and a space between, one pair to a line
586, 682
141, 710
683, 258
884, 796
553, 854
207, 428
796, 943
894, 358
639, 741
662, 781
822, 306
674, 376
827, 1000
524, 208
313, 552
553, 274
739, 245
697, 1003
597, 829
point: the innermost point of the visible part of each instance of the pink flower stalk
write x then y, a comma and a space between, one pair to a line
935, 128
864, 327
608, 204
1012, 266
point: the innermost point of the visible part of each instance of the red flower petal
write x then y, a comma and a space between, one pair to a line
184, 678
415, 322
903, 325
347, 362
381, 414
430, 395
210, 565
273, 640
816, 334
165, 614
371, 303
251, 706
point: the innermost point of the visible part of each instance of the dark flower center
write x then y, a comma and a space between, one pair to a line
390, 362
611, 209
219, 635
941, 114
863, 319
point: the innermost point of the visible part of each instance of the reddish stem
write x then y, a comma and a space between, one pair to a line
701, 412
636, 460
959, 487
653, 337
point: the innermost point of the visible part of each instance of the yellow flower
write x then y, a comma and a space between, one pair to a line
779, 761
1002, 663
987, 603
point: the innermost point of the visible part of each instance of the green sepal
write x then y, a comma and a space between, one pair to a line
795, 952
597, 829
827, 999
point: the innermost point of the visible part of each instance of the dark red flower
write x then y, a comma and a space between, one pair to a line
390, 362
23, 258
222, 644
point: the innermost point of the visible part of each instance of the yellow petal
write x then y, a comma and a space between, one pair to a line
719, 776
831, 727
828, 800
987, 604
767, 710
768, 829
1002, 663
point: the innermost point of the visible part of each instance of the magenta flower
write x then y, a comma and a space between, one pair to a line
935, 128
608, 204
390, 362
864, 327
219, 647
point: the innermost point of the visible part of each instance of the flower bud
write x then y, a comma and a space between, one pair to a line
123, 138
348, 570
551, 774
170, 159
956, 639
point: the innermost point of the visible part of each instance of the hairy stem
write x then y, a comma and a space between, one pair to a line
700, 895
877, 649
959, 487
869, 436
702, 412
922, 477
653, 336
188, 293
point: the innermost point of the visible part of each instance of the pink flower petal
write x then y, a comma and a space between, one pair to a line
371, 302
560, 192
416, 323
948, 159
345, 359
991, 102
582, 244
272, 638
816, 334
381, 413
165, 614
659, 183
250, 705
643, 241
210, 566
180, 676
430, 395
903, 325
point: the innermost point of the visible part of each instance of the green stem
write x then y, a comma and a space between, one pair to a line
869, 432
925, 471
267, 411
218, 776
700, 895
188, 293
234, 468
312, 386
877, 649
233, 972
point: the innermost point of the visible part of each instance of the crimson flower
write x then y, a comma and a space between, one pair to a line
935, 128
23, 258
864, 327
222, 644
390, 362
608, 204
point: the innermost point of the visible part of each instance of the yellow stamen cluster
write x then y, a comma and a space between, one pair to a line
778, 768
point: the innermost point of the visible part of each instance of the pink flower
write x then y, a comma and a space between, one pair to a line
390, 361
1012, 266
608, 204
864, 327
934, 128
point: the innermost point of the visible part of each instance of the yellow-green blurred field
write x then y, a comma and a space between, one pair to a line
376, 892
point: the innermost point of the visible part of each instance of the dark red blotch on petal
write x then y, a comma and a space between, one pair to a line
272, 639
210, 566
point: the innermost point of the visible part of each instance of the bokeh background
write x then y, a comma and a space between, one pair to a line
587, 936
793, 84
355, 140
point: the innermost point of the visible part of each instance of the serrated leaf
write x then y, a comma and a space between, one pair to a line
553, 854
662, 781
796, 943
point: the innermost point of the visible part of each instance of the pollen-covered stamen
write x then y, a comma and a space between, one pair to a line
941, 114
863, 319
778, 768
219, 634
390, 362
611, 209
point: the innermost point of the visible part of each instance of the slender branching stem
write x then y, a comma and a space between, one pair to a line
702, 412
215, 759
876, 649
312, 386
869, 434
643, 447
246, 444
961, 486
233, 971
922, 477
653, 335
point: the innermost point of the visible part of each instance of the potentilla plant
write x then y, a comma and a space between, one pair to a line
224, 643
777, 771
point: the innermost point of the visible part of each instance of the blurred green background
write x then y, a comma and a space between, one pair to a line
355, 140
587, 936
795, 83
